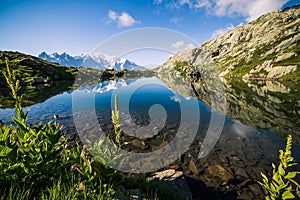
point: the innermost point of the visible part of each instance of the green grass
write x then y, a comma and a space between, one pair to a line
181, 67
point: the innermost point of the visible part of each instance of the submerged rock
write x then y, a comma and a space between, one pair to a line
176, 180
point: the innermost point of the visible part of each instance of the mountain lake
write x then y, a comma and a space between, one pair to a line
229, 132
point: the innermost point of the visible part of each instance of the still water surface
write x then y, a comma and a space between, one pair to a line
153, 110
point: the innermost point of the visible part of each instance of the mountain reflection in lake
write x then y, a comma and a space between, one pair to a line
245, 147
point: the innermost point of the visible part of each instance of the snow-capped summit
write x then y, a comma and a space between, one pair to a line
63, 59
126, 64
107, 86
95, 60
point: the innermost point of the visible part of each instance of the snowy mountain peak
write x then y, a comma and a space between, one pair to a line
95, 60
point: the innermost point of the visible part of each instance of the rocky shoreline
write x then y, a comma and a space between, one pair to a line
230, 171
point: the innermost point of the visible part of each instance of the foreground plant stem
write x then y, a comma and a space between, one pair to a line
283, 184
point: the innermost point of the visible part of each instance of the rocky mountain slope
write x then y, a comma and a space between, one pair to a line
95, 61
266, 48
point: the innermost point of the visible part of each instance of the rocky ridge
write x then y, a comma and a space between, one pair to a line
266, 48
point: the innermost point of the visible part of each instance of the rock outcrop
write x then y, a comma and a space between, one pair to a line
267, 48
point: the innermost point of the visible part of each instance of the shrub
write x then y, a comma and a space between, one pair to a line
28, 152
283, 184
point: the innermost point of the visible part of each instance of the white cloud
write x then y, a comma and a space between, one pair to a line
157, 1
261, 7
126, 20
175, 98
112, 15
178, 44
123, 20
190, 46
250, 9
203, 4
220, 31
176, 20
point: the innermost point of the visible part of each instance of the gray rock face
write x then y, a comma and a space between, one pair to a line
271, 42
198, 58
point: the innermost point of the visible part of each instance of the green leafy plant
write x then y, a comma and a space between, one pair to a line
108, 150
92, 163
36, 157
115, 116
283, 184
91, 176
27, 152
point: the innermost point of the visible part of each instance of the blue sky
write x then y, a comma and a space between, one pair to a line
76, 27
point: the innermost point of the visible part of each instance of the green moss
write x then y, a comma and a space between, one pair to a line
183, 67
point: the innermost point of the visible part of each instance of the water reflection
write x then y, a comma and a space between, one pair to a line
267, 105
34, 94
244, 148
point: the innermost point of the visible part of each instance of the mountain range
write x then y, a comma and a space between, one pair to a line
107, 86
95, 61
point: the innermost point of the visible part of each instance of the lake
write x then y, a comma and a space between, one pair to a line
221, 134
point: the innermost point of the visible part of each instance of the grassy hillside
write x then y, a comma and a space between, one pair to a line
40, 79
31, 69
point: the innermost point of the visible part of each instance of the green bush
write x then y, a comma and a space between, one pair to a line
283, 184
28, 152
181, 66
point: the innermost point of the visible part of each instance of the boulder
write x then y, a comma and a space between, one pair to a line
193, 167
38, 80
176, 180
279, 71
220, 172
